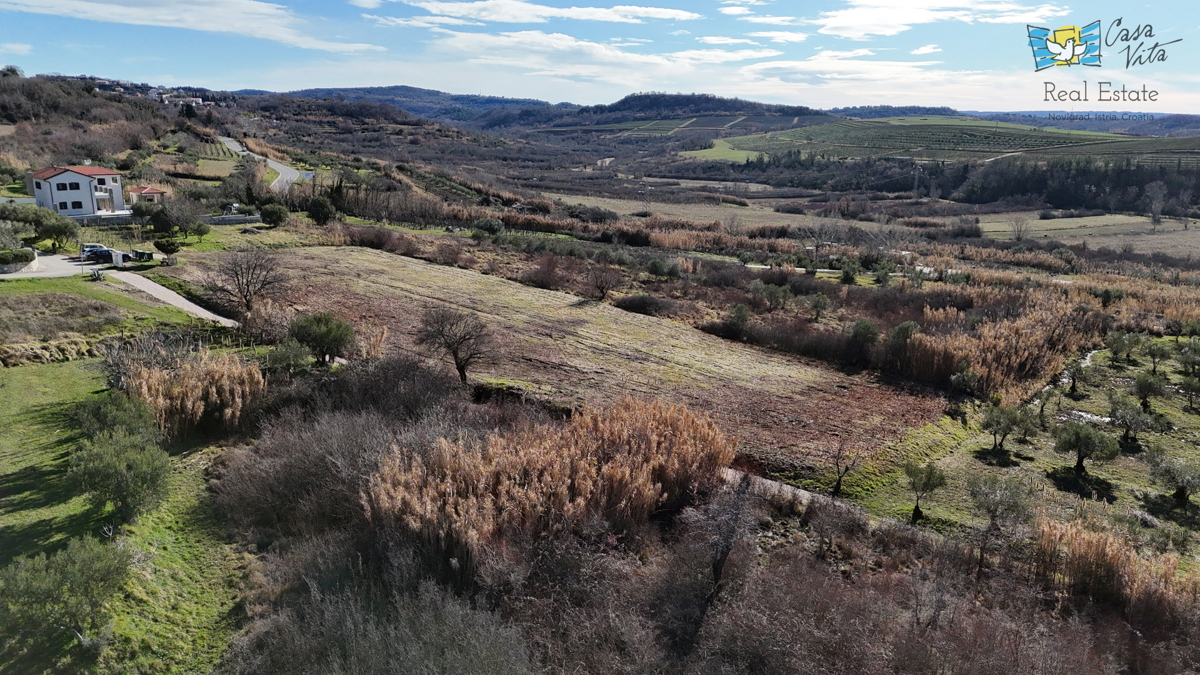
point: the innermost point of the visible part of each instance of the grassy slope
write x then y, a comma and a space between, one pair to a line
963, 451
941, 138
135, 306
179, 612
561, 347
37, 512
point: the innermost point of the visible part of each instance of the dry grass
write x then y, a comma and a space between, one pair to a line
558, 346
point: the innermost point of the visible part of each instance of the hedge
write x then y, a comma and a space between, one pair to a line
17, 257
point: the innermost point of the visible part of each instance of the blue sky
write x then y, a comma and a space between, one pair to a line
970, 54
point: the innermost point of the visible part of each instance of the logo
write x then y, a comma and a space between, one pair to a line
1065, 46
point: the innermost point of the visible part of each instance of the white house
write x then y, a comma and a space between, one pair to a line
146, 194
79, 190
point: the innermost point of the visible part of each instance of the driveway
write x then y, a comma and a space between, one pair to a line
169, 296
287, 175
50, 266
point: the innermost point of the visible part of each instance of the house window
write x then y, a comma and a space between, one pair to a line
115, 182
60, 186
62, 206
37, 185
76, 205
74, 186
101, 181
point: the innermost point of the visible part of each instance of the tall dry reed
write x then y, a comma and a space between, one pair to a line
617, 465
205, 387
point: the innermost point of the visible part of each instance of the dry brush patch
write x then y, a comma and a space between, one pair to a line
617, 466
218, 388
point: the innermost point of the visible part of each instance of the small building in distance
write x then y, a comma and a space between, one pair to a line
146, 194
78, 191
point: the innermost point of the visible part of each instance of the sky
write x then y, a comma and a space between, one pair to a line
968, 54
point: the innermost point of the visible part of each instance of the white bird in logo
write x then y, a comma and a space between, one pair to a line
1065, 52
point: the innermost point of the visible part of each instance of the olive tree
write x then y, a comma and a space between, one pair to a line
325, 335
1179, 474
1085, 442
922, 480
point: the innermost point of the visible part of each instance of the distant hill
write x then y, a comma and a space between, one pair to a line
666, 106
428, 103
1161, 125
871, 112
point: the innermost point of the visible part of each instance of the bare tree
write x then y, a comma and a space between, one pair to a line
844, 461
462, 336
1156, 199
1019, 226
605, 279
245, 276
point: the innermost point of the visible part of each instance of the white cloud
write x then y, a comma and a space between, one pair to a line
15, 48
865, 18
773, 20
367, 4
250, 18
716, 40
734, 11
522, 11
681, 32
420, 21
780, 36
927, 49
565, 57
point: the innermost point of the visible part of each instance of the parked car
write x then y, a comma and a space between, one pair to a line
107, 256
97, 255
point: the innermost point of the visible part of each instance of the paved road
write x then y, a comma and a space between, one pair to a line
54, 266
170, 297
287, 175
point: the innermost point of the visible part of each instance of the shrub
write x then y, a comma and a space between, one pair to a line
126, 470
327, 336
168, 246
649, 305
321, 210
48, 598
275, 214
288, 357
116, 411
347, 631
491, 226
20, 256
865, 332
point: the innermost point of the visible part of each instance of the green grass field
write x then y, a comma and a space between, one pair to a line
179, 610
964, 451
37, 512
948, 138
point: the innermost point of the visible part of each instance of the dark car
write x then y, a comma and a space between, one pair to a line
98, 255
107, 256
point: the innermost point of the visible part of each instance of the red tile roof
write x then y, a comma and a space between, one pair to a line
51, 172
146, 191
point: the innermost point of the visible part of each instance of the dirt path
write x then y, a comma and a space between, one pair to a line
170, 297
